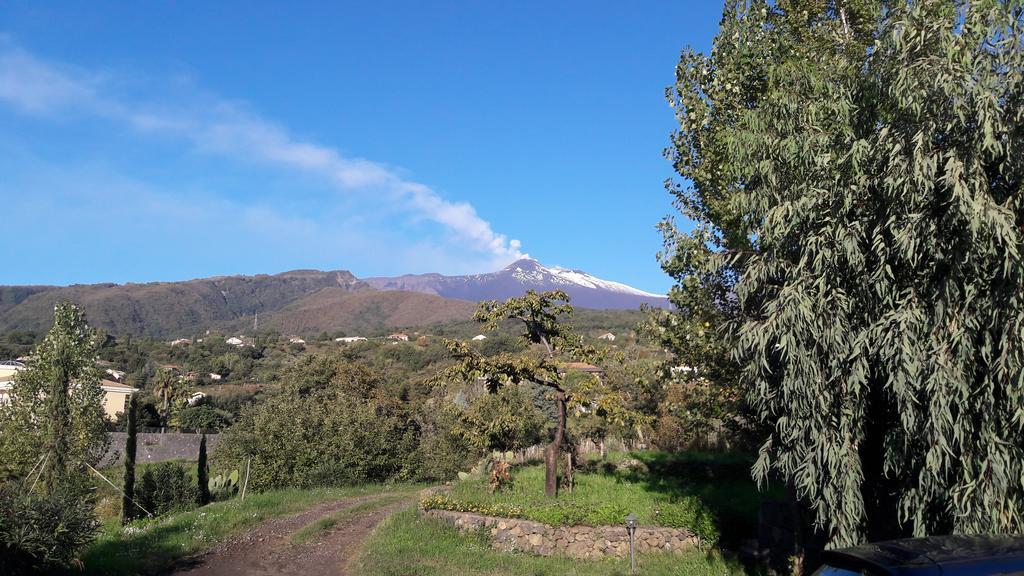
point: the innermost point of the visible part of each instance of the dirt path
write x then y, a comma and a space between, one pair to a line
267, 550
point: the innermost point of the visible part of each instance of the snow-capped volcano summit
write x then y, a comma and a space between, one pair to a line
529, 271
585, 290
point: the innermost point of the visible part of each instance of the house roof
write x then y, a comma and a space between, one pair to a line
106, 385
583, 367
111, 386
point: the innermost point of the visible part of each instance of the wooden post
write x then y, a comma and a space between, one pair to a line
246, 483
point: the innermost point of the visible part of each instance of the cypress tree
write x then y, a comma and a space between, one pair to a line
127, 506
202, 474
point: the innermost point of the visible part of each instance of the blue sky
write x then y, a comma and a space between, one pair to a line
174, 140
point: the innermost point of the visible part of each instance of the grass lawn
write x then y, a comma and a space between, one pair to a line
409, 543
151, 545
722, 481
710, 494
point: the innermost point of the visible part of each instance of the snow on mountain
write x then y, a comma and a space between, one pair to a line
585, 290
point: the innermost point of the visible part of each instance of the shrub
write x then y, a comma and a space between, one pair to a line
223, 486
203, 417
443, 450
505, 420
328, 426
167, 487
42, 533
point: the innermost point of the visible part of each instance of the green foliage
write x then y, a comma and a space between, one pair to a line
167, 487
598, 500
853, 172
223, 486
55, 420
500, 343
505, 420
542, 318
169, 387
690, 409
203, 417
444, 448
128, 508
41, 533
203, 474
328, 430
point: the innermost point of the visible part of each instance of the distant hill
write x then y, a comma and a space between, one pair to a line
166, 309
585, 290
308, 301
366, 312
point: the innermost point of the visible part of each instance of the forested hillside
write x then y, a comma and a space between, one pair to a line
305, 302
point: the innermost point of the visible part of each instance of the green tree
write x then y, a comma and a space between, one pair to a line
128, 509
852, 171
55, 422
542, 318
503, 421
51, 430
165, 387
203, 474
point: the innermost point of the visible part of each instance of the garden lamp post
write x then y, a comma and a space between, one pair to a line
631, 530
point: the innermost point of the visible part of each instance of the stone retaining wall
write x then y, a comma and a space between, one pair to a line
152, 447
509, 534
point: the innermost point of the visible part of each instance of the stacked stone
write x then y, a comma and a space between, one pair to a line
509, 534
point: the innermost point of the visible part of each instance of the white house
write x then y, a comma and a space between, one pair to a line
479, 337
296, 340
196, 398
399, 336
607, 336
115, 394
9, 367
181, 342
350, 339
214, 376
235, 341
6, 382
676, 370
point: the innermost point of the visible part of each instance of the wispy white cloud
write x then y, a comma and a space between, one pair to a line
30, 86
36, 86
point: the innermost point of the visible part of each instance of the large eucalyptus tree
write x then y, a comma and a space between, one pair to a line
852, 169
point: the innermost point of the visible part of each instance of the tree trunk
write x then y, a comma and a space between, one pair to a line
554, 450
879, 492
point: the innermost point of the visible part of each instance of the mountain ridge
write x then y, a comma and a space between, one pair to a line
304, 301
584, 290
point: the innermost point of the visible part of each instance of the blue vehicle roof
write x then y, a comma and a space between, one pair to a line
945, 555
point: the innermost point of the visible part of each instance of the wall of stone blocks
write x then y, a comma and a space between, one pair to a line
509, 534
